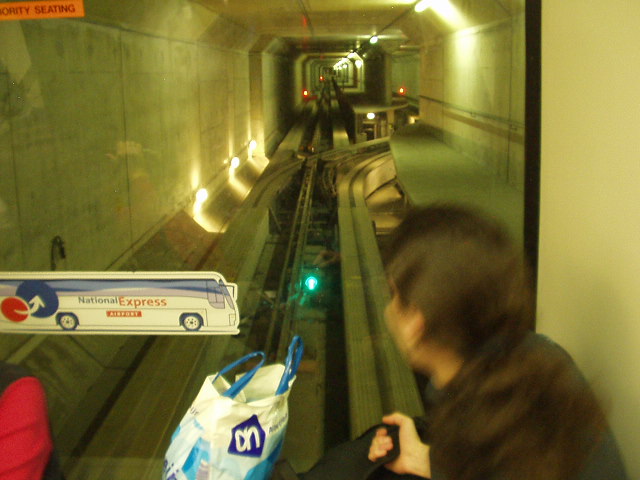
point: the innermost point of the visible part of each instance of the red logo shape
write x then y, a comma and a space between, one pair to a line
15, 309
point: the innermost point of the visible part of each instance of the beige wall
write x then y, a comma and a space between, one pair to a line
589, 272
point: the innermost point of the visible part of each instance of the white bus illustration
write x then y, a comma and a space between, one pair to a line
118, 302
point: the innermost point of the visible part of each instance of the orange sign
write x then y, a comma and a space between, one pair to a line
44, 9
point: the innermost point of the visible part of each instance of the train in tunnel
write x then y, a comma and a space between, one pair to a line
248, 141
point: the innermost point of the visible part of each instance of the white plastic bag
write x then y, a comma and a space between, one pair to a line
235, 431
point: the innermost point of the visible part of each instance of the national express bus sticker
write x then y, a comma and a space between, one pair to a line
146, 303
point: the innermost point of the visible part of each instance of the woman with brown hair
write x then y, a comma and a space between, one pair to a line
508, 404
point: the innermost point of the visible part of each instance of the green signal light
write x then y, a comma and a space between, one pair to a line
311, 282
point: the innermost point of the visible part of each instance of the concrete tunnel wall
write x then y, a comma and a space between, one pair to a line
273, 94
472, 91
405, 73
109, 132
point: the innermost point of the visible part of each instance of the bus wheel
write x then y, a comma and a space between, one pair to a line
67, 320
191, 321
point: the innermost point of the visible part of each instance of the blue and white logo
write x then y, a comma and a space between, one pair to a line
247, 438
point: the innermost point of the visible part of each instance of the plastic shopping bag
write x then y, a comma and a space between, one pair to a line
235, 431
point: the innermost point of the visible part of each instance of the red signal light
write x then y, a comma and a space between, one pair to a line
321, 78
305, 93
402, 90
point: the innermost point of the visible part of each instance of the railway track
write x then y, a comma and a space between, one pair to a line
296, 207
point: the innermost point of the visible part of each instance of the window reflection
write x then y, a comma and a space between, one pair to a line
112, 125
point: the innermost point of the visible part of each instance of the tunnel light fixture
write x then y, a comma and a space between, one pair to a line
445, 10
423, 5
202, 195
352, 55
373, 40
358, 63
371, 115
253, 145
235, 163
342, 64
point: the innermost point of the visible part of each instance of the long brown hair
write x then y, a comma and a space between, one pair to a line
518, 409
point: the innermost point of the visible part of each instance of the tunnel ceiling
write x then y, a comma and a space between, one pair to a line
341, 25
306, 26
316, 25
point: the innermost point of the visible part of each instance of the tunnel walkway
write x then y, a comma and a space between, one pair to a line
429, 171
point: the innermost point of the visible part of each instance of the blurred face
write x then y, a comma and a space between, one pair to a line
406, 325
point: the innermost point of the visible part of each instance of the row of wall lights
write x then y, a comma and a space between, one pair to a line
202, 194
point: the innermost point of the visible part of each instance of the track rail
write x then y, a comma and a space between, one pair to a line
379, 379
281, 327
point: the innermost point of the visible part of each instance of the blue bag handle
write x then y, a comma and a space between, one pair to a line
296, 349
242, 382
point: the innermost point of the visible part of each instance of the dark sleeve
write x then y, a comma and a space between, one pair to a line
605, 462
435, 474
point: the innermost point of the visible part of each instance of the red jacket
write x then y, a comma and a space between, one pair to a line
25, 437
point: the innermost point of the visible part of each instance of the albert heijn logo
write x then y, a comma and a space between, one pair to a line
247, 438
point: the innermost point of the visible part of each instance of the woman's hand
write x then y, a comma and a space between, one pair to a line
414, 455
